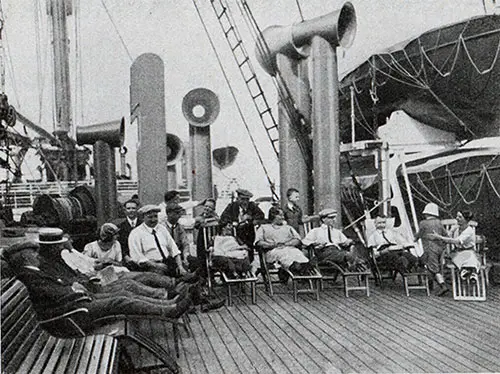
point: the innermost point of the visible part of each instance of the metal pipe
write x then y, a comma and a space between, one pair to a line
325, 123
147, 101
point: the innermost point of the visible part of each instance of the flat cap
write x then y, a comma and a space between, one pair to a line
174, 207
328, 212
146, 209
244, 193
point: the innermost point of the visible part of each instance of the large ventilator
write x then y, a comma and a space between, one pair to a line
200, 108
305, 55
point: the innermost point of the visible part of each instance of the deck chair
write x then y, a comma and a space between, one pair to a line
208, 233
465, 289
352, 280
269, 272
414, 280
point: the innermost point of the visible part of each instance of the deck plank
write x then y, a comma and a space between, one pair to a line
386, 332
441, 340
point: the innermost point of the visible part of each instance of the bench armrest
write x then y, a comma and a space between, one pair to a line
63, 325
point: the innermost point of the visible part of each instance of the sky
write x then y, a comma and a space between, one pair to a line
106, 36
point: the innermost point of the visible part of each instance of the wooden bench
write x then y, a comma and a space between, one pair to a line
59, 345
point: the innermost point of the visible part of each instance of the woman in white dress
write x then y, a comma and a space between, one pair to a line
281, 244
463, 237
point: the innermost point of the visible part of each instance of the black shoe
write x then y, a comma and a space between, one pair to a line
180, 308
212, 305
188, 278
443, 289
431, 285
283, 276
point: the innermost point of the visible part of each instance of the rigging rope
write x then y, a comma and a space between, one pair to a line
282, 88
117, 32
300, 10
240, 112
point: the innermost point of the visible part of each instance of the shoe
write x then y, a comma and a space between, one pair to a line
464, 273
442, 290
473, 278
189, 278
283, 276
180, 308
212, 305
431, 285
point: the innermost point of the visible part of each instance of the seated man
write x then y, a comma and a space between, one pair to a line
245, 214
152, 247
53, 295
230, 256
105, 258
391, 248
280, 243
331, 245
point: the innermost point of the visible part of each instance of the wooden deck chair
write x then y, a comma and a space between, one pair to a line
352, 280
414, 280
269, 274
208, 232
465, 289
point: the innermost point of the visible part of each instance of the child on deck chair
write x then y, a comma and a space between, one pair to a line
230, 256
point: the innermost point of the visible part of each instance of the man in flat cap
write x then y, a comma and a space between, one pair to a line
330, 244
174, 213
245, 214
152, 247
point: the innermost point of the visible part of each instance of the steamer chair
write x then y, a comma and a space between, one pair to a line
414, 280
269, 273
465, 289
330, 271
208, 231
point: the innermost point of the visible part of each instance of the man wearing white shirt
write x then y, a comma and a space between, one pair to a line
152, 247
384, 241
330, 244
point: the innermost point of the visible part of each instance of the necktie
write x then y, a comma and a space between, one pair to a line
329, 235
158, 245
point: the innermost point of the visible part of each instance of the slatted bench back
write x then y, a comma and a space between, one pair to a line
26, 348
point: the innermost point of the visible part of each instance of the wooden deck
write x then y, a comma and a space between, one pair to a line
384, 333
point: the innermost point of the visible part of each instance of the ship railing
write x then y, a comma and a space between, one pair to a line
22, 195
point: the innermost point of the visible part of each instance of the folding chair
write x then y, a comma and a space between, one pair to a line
412, 280
208, 232
330, 271
270, 271
464, 289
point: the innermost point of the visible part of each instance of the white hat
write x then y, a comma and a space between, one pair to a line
51, 235
431, 209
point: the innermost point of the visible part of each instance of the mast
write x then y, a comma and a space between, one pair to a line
58, 10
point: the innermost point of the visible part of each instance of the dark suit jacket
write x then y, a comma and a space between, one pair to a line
293, 217
232, 212
125, 230
51, 295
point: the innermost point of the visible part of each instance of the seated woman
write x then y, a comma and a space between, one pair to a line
107, 249
466, 259
230, 256
280, 243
